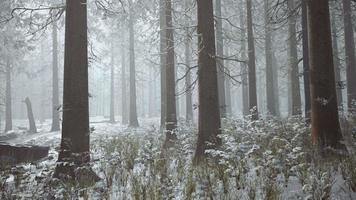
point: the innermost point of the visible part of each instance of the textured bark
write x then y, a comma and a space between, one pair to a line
293, 61
306, 75
337, 66
244, 67
209, 113
276, 84
8, 98
112, 84
269, 62
124, 106
219, 60
350, 56
75, 125
55, 88
31, 119
163, 50
188, 82
171, 113
325, 120
251, 64
133, 122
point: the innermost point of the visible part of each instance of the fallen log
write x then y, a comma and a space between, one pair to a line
14, 154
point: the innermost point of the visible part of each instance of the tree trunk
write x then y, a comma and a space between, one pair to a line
350, 56
163, 51
133, 122
269, 62
75, 126
293, 60
31, 119
220, 60
55, 88
276, 85
228, 108
251, 64
209, 113
112, 83
339, 83
8, 98
244, 67
188, 82
124, 105
306, 75
325, 119
171, 115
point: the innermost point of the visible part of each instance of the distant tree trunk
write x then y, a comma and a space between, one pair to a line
133, 122
220, 60
306, 75
276, 85
350, 56
209, 113
8, 98
31, 119
55, 88
75, 126
112, 84
325, 119
251, 64
188, 82
293, 60
171, 115
228, 108
163, 52
339, 85
124, 105
244, 67
269, 62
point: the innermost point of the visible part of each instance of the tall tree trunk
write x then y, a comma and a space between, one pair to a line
244, 67
220, 60
31, 119
55, 88
339, 85
306, 75
112, 83
163, 52
350, 56
188, 82
269, 62
276, 85
133, 122
325, 118
209, 113
171, 115
75, 125
8, 98
293, 60
228, 109
124, 105
251, 64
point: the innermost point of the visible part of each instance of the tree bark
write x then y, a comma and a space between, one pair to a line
269, 62
163, 51
306, 76
31, 119
124, 105
350, 56
244, 67
220, 60
251, 64
209, 113
339, 83
325, 118
188, 82
75, 126
293, 60
8, 98
171, 113
133, 121
55, 88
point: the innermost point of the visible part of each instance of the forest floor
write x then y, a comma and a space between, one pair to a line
268, 159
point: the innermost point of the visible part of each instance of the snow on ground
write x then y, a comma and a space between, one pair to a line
269, 159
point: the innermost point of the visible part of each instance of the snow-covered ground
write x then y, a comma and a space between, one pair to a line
269, 159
